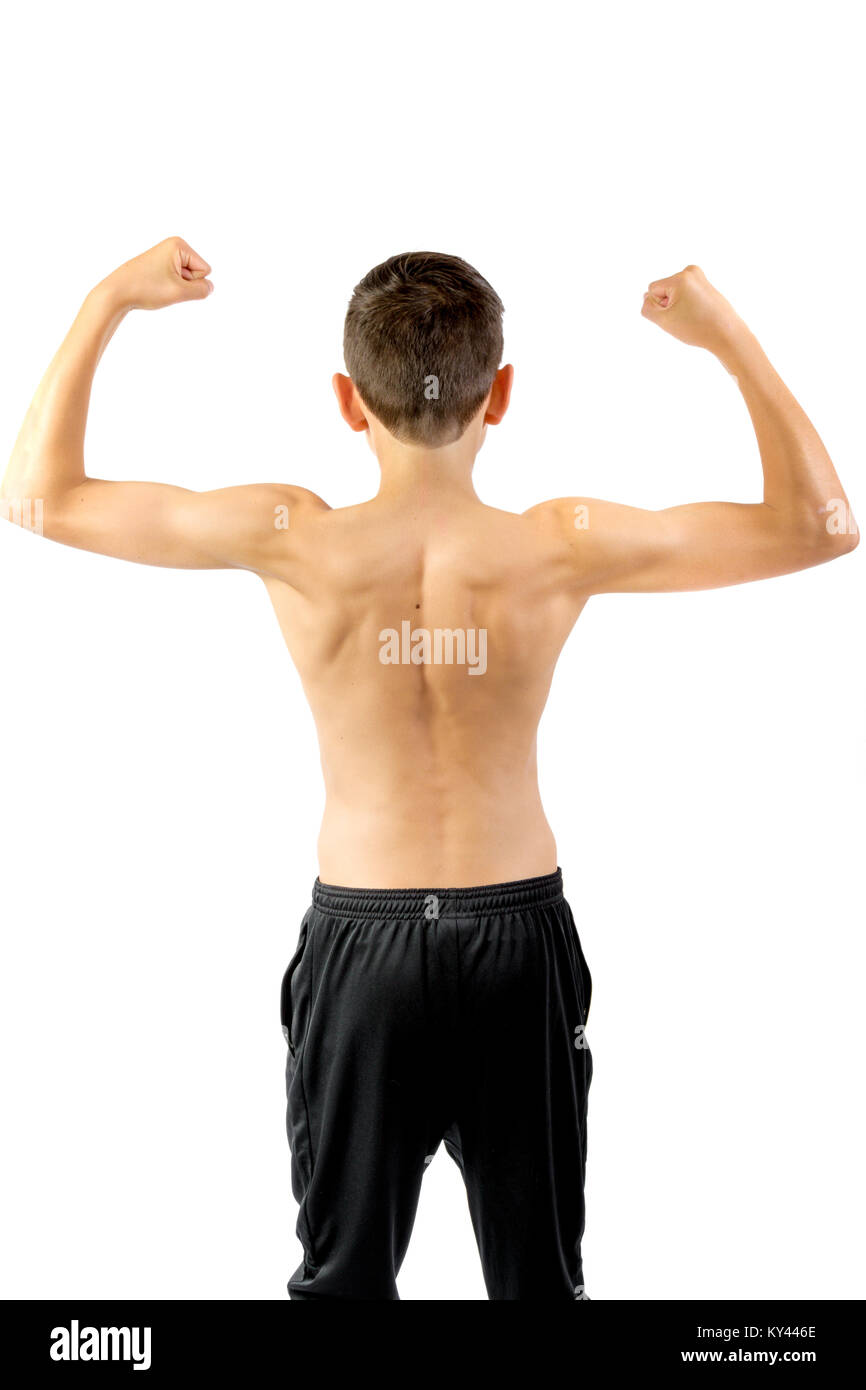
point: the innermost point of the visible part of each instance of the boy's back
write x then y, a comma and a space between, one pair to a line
425, 628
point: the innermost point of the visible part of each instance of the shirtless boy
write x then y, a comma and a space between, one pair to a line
426, 626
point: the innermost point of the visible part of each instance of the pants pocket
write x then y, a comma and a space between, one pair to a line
584, 978
587, 983
286, 989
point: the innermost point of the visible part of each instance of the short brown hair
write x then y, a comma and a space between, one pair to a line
423, 342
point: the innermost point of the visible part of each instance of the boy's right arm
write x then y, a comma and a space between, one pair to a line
803, 519
152, 523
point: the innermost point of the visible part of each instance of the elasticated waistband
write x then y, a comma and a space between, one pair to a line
449, 902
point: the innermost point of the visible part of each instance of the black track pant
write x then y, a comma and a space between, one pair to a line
417, 1017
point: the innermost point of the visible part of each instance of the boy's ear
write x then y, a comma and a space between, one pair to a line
351, 407
500, 395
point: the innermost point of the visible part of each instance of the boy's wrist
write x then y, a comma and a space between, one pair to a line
110, 298
739, 350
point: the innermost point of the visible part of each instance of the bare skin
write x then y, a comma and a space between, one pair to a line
430, 770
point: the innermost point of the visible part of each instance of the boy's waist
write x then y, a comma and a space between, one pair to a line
436, 902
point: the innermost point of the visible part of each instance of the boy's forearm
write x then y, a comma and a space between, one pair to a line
49, 453
799, 477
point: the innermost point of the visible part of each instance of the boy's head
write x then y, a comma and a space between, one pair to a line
423, 342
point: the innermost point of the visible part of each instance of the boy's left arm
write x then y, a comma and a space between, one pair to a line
804, 518
152, 523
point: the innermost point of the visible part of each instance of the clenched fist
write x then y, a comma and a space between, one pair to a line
168, 273
689, 308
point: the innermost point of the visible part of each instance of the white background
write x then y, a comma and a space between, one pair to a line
702, 755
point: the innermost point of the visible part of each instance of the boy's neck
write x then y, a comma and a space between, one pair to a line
411, 470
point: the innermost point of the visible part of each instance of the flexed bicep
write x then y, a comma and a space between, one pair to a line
602, 547
605, 547
158, 524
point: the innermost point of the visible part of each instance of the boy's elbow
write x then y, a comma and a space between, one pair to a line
812, 533
842, 533
831, 541
851, 541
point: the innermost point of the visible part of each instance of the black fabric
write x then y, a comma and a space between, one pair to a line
417, 1017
